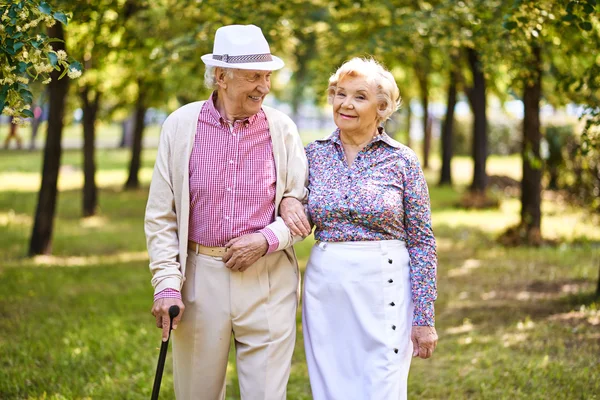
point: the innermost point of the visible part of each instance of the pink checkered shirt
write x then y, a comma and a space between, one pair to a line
232, 181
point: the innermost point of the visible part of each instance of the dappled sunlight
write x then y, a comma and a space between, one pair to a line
559, 222
466, 340
11, 218
69, 178
94, 222
488, 295
462, 168
465, 268
525, 325
495, 221
20, 182
79, 261
511, 339
466, 327
584, 314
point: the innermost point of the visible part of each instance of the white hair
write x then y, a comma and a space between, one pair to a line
388, 94
210, 79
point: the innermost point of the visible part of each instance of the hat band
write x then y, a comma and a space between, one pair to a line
248, 58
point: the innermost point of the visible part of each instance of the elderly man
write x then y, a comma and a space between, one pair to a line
217, 248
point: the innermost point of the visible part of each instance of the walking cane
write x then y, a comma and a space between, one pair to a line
173, 312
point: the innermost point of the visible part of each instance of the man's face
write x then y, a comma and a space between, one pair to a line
243, 94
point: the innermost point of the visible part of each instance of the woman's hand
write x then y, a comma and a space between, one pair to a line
292, 212
424, 340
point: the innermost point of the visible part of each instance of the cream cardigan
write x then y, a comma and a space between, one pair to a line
168, 208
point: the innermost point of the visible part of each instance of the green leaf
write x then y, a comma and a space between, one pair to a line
22, 67
27, 113
509, 25
17, 46
61, 17
588, 9
65, 70
3, 93
27, 98
76, 65
53, 59
592, 3
570, 7
568, 17
586, 26
45, 8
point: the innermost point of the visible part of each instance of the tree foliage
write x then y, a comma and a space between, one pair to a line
26, 53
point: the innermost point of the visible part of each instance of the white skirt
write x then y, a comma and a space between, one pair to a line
357, 317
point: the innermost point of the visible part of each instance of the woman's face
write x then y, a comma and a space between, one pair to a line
355, 106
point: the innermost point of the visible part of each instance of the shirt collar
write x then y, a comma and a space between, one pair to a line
214, 113
381, 137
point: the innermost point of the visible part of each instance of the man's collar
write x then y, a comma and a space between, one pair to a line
212, 110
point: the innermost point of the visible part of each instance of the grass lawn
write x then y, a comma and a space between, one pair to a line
513, 323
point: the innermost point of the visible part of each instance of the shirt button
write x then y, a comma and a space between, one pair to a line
230, 161
396, 351
392, 304
390, 260
233, 134
227, 217
394, 327
229, 189
391, 281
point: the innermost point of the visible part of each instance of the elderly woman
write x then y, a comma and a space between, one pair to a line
370, 281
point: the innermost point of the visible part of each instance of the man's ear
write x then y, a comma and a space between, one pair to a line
220, 76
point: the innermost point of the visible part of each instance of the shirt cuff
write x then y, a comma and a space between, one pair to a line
168, 294
271, 239
424, 314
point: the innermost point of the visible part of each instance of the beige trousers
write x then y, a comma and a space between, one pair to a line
258, 306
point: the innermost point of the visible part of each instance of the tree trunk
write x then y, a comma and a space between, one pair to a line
304, 53
133, 181
477, 98
41, 237
447, 131
531, 186
424, 86
408, 123
90, 112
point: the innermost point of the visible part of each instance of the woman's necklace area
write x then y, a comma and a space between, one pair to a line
357, 146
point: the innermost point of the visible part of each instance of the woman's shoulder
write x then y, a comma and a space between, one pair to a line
319, 145
403, 152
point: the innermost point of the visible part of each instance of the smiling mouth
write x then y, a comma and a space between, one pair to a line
347, 116
255, 98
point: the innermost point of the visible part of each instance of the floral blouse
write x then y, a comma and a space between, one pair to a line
381, 196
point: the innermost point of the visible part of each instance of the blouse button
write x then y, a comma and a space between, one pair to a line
396, 351
392, 304
391, 281
390, 260
394, 327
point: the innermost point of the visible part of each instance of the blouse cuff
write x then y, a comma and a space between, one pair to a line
424, 314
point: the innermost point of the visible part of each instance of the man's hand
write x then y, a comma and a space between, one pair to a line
160, 310
424, 340
244, 251
292, 212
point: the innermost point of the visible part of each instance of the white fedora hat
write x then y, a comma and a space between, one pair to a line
243, 47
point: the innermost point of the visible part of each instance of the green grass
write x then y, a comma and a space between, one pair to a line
513, 323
